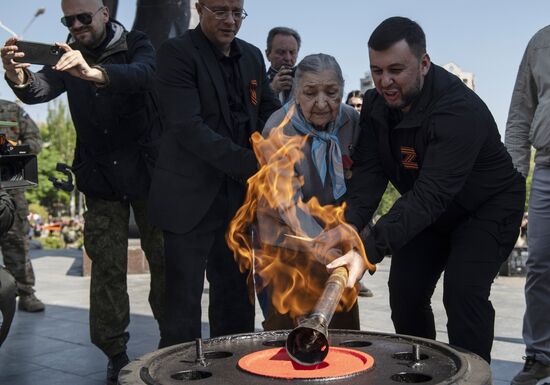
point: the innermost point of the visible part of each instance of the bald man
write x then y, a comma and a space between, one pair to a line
107, 73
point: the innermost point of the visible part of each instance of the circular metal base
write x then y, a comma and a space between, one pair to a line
398, 359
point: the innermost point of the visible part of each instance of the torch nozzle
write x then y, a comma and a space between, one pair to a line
308, 343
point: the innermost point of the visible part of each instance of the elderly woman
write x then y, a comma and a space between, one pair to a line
332, 129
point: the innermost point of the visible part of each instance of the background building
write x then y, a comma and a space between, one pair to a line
466, 77
366, 83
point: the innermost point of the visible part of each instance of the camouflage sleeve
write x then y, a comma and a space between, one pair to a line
7, 210
29, 133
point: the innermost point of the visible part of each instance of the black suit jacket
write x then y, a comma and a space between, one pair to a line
197, 152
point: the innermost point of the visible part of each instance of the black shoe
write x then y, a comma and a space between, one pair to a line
364, 291
29, 302
113, 368
533, 371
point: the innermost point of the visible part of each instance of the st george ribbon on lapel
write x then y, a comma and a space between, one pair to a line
252, 88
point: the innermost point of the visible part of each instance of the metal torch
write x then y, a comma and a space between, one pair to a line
308, 343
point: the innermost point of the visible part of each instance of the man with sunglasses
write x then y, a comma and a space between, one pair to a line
107, 73
215, 93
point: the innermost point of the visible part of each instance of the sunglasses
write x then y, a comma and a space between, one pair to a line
356, 105
83, 18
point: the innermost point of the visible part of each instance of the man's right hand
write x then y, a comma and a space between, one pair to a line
354, 263
14, 71
282, 80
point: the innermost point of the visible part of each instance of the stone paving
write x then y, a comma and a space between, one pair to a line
53, 347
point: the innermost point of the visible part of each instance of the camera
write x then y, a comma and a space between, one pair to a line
18, 167
292, 70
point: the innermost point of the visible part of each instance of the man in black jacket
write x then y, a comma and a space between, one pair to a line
215, 93
107, 73
461, 199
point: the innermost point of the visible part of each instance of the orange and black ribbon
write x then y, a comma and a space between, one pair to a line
252, 89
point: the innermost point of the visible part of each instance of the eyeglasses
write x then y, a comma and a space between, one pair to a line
358, 105
84, 18
222, 15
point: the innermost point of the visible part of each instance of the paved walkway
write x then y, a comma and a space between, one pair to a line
53, 347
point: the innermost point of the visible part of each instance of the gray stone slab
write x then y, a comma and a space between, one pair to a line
10, 367
49, 377
58, 328
99, 376
80, 360
21, 346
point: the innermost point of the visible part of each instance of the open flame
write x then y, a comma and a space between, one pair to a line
276, 235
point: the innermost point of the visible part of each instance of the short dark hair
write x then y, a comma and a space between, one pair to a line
395, 29
354, 94
282, 31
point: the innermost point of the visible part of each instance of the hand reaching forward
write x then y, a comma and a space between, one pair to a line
355, 264
74, 63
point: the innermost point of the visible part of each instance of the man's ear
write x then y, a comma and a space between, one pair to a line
425, 63
105, 14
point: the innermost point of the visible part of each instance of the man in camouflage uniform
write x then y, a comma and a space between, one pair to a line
107, 74
18, 127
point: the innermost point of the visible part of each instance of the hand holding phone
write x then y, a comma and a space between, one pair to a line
38, 53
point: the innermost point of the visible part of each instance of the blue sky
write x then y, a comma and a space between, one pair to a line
486, 37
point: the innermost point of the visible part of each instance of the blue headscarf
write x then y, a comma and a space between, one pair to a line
323, 141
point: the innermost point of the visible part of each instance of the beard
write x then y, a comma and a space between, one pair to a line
409, 95
93, 38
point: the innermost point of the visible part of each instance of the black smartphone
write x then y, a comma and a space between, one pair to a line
38, 53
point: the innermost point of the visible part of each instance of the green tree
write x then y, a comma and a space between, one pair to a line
59, 137
388, 199
59, 131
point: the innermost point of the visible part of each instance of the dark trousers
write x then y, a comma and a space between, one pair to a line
470, 255
188, 256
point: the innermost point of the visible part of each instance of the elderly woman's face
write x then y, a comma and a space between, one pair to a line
319, 95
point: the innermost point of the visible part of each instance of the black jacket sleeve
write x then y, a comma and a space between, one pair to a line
456, 136
7, 210
42, 86
139, 73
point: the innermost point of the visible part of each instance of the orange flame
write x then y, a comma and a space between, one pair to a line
270, 234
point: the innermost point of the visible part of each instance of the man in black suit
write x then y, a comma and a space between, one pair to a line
215, 93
